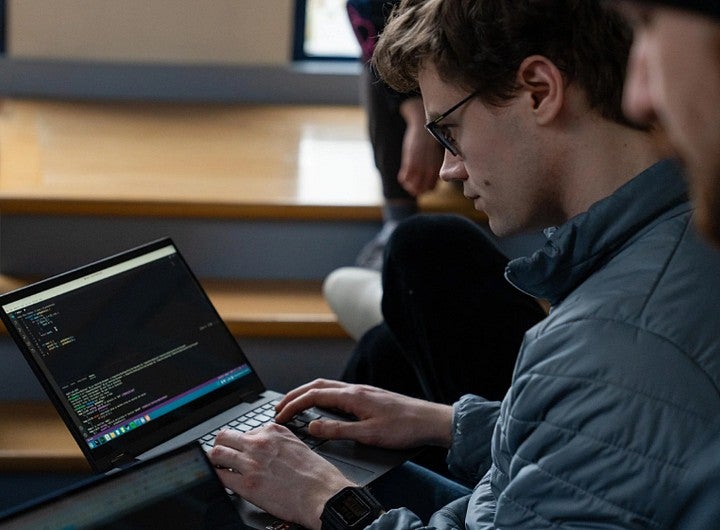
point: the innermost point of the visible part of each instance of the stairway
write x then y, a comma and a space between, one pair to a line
263, 201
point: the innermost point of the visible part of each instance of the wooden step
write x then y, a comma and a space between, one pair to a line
260, 308
192, 160
34, 438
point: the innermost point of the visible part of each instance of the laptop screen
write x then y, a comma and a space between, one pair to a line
174, 491
127, 343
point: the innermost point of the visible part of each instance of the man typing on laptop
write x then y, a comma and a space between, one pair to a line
611, 392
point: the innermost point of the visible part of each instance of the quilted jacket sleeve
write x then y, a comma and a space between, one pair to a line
451, 517
474, 421
596, 431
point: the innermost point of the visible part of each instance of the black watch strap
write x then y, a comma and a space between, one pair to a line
351, 508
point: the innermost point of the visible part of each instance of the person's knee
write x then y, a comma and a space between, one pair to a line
425, 233
424, 242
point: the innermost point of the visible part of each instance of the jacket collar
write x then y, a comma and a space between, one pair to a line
575, 249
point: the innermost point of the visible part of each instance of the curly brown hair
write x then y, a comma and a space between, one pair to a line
479, 45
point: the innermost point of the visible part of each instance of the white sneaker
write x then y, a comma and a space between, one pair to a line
355, 295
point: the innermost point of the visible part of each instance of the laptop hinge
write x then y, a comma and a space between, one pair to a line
251, 397
123, 460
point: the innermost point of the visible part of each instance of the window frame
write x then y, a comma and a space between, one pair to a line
298, 52
3, 23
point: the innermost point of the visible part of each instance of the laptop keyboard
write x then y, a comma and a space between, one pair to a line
265, 414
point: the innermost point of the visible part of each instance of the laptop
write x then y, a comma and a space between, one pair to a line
137, 362
175, 491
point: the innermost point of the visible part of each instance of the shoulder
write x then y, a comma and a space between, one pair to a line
641, 328
653, 305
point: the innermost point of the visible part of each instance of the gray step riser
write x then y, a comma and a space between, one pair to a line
37, 245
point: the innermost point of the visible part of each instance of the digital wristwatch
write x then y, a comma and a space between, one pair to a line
352, 508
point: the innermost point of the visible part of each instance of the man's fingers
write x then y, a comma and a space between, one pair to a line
331, 398
317, 383
227, 458
229, 438
333, 429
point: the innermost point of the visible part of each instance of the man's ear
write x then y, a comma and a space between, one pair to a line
543, 85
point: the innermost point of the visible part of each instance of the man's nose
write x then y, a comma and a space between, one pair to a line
637, 97
453, 168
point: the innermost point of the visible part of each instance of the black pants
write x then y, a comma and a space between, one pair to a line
453, 324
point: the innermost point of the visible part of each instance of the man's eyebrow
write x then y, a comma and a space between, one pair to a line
432, 116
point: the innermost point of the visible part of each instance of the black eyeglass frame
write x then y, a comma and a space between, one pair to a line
435, 130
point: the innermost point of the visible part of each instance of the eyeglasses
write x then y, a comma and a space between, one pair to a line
440, 133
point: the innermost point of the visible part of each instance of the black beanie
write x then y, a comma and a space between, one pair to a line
705, 7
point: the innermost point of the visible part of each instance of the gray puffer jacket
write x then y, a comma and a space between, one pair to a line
614, 391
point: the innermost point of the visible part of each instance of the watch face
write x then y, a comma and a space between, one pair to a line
351, 507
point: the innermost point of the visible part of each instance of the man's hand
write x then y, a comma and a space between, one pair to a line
384, 419
421, 156
273, 469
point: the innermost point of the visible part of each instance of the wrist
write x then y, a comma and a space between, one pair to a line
322, 499
439, 419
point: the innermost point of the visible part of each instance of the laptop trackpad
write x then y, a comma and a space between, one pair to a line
357, 462
357, 474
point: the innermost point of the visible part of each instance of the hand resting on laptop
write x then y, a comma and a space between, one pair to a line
273, 469
384, 419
